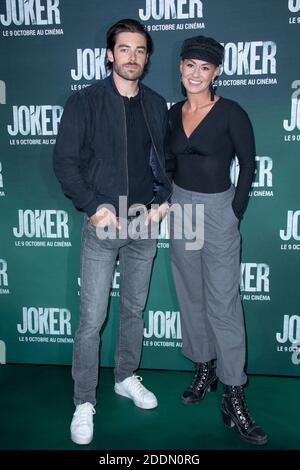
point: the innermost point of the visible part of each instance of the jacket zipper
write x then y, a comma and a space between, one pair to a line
152, 140
126, 150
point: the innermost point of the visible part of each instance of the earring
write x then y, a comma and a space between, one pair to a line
212, 88
183, 90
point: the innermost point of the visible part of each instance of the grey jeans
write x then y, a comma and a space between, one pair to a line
207, 286
98, 260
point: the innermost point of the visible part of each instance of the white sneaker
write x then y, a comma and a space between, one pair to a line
82, 426
133, 389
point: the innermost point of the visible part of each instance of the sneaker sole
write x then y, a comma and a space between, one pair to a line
145, 406
81, 440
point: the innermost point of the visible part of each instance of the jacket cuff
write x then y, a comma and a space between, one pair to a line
157, 199
91, 208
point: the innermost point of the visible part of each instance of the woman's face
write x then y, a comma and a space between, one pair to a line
196, 75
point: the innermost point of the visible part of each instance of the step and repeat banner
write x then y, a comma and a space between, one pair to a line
50, 49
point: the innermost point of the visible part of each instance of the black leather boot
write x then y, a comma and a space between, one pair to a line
205, 380
235, 413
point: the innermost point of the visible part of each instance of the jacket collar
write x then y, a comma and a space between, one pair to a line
109, 84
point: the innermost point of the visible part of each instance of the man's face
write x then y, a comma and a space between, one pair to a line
129, 56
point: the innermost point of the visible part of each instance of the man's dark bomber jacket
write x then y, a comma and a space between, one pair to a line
90, 159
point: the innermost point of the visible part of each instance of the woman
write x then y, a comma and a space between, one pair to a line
207, 131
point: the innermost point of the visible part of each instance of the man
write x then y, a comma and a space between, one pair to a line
110, 146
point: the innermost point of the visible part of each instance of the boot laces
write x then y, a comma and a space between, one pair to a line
201, 375
239, 403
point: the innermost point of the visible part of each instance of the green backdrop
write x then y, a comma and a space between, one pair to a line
50, 48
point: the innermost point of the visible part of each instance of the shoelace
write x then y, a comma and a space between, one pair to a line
200, 376
136, 384
238, 401
83, 413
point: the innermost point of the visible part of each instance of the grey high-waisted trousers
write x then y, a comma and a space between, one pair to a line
207, 285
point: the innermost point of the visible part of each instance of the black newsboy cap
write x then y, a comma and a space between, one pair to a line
202, 48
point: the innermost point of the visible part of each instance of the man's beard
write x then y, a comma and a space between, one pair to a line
128, 74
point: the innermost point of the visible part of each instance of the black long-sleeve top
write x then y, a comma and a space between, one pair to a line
204, 159
140, 178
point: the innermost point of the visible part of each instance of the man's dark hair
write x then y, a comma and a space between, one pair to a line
127, 26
